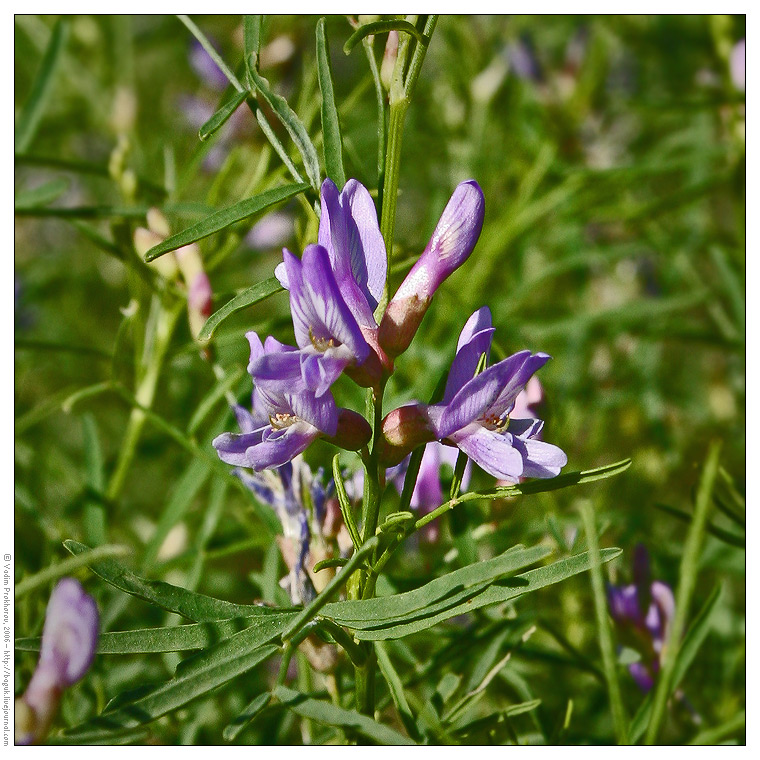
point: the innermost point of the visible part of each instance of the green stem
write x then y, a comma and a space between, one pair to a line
329, 591
401, 93
603, 626
144, 395
687, 578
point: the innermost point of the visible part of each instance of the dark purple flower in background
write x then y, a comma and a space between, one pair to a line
475, 412
203, 65
69, 640
326, 331
643, 611
281, 424
451, 244
428, 491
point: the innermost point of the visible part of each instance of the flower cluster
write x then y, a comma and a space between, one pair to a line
69, 640
643, 612
335, 289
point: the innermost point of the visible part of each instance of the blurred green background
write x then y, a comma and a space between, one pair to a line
611, 154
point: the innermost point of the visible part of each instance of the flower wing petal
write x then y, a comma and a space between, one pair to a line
493, 452
542, 460
279, 447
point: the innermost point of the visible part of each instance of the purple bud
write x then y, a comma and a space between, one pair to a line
404, 429
450, 245
69, 640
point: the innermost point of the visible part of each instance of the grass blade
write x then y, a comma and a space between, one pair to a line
290, 121
333, 146
42, 195
34, 108
68, 566
686, 583
603, 627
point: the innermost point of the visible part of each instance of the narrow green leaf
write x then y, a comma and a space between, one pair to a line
68, 566
250, 296
31, 114
368, 630
396, 689
219, 119
523, 707
42, 195
209, 48
332, 143
332, 715
179, 638
105, 737
251, 37
193, 678
253, 709
225, 218
345, 503
188, 604
94, 508
382, 27
290, 121
695, 636
717, 734
371, 612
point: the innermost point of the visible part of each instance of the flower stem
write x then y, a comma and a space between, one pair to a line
687, 578
402, 89
144, 394
603, 627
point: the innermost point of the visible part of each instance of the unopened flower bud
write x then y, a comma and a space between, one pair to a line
450, 245
404, 429
199, 294
69, 640
165, 265
158, 223
353, 433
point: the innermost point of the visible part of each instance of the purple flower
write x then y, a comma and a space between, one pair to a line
449, 247
281, 424
475, 412
69, 640
349, 232
203, 65
326, 331
643, 612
